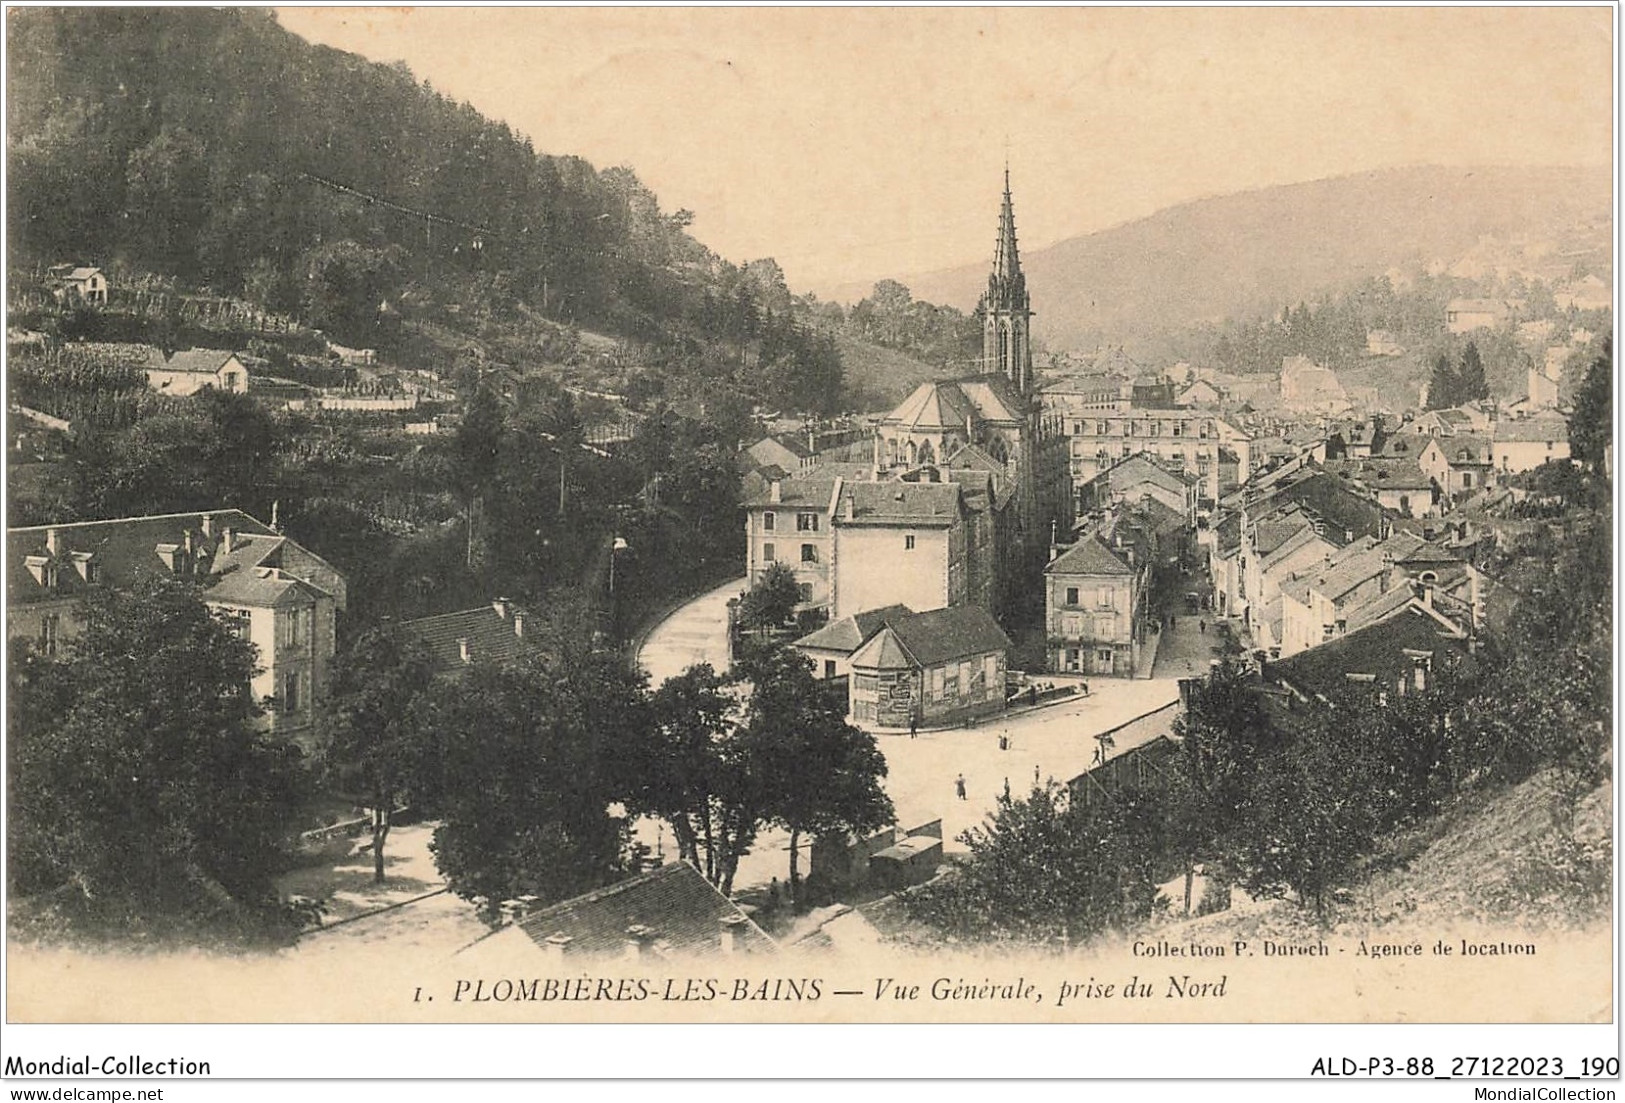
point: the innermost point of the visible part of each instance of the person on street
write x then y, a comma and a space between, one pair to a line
959, 786
913, 725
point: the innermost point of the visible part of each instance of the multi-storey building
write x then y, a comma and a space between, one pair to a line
1094, 608
276, 594
1188, 440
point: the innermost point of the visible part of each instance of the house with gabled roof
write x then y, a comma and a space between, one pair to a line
1094, 608
937, 667
188, 372
490, 634
1520, 444
1459, 465
272, 591
78, 284
831, 647
1397, 649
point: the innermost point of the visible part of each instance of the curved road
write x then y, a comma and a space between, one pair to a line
694, 633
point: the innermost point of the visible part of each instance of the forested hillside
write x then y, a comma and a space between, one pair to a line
215, 147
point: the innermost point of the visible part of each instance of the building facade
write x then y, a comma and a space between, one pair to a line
274, 593
1093, 609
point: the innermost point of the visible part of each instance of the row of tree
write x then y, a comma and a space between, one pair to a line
1454, 384
147, 803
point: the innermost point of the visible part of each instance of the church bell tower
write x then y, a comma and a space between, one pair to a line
1005, 308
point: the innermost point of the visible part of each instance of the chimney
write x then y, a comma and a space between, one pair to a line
463, 651
732, 927
638, 939
519, 624
206, 523
226, 542
851, 508
558, 943
274, 506
775, 490
53, 542
500, 605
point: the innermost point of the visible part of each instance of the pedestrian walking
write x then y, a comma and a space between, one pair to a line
913, 725
959, 786
1201, 626
1035, 777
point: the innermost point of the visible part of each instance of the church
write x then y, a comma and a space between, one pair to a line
992, 421
967, 486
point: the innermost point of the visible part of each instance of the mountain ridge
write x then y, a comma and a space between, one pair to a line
1252, 252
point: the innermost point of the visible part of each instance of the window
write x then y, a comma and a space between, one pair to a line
806, 522
295, 628
237, 620
829, 668
767, 553
50, 629
1466, 478
291, 692
1072, 658
908, 542
1101, 428
1103, 597
1071, 595
768, 520
804, 591
809, 553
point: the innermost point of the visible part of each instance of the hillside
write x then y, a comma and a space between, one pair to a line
1504, 861
1255, 251
879, 377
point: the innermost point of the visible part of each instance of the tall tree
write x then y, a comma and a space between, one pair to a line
144, 801
375, 729
1591, 427
1444, 386
772, 601
819, 775
1471, 385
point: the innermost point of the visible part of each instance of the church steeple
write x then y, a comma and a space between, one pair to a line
1005, 307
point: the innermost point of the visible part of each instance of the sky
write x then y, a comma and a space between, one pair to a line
852, 144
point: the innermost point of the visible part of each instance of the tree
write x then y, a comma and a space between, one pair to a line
1444, 386
1225, 741
772, 601
1471, 385
681, 767
817, 774
144, 800
1592, 424
477, 449
374, 730
524, 771
1050, 868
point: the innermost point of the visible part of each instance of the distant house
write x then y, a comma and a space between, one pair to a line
187, 373
1443, 423
276, 594
936, 667
1460, 464
73, 285
1524, 443
493, 633
671, 912
1588, 293
1141, 476
1092, 599
1396, 654
1199, 393
1466, 315
784, 452
832, 646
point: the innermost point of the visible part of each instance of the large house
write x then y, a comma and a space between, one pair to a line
187, 373
1186, 440
788, 523
1459, 465
1523, 443
937, 667
902, 543
276, 594
1094, 606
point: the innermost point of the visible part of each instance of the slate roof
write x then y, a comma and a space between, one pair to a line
1140, 468
935, 405
850, 633
125, 553
1270, 535
927, 639
810, 491
198, 361
1534, 430
682, 909
893, 503
1089, 557
1465, 450
491, 636
1377, 649
994, 397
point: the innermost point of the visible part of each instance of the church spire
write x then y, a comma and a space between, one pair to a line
1005, 307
